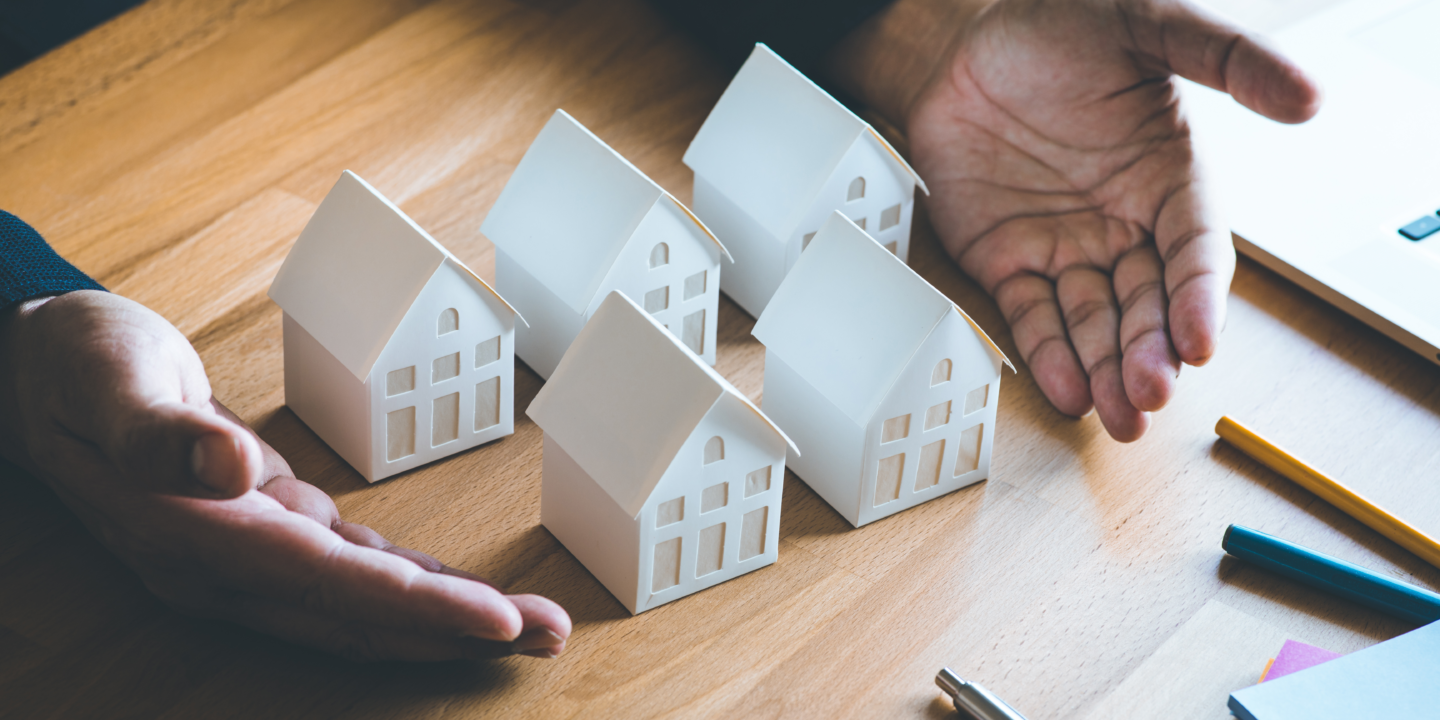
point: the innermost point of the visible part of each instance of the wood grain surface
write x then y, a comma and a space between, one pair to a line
176, 152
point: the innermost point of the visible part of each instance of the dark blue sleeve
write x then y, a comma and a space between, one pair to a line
30, 268
801, 31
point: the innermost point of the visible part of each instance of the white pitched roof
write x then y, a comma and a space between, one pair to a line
355, 270
624, 399
569, 208
850, 315
773, 140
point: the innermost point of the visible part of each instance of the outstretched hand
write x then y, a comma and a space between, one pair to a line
109, 405
1063, 180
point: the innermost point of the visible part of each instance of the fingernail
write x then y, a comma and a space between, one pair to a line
536, 639
549, 653
207, 456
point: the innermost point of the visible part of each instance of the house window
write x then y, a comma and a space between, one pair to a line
400, 434
941, 373
445, 419
712, 550
805, 241
927, 473
887, 479
895, 428
666, 573
670, 512
968, 458
937, 415
856, 191
659, 256
977, 398
487, 352
487, 404
695, 285
714, 497
445, 368
657, 299
400, 381
449, 321
752, 532
894, 247
860, 223
889, 217
757, 481
692, 331
714, 450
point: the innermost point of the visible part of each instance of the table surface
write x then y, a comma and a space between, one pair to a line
176, 152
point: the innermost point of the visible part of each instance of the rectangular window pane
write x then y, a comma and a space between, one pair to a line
968, 458
928, 471
695, 285
657, 299
487, 404
400, 381
714, 497
805, 241
712, 550
670, 512
752, 533
400, 433
893, 246
692, 332
937, 415
757, 481
445, 368
895, 428
976, 399
887, 480
445, 420
889, 217
487, 352
667, 565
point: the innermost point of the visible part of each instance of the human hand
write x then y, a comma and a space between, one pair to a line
1062, 179
108, 403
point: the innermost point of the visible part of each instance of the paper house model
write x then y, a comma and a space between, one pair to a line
886, 386
395, 353
775, 157
659, 476
577, 221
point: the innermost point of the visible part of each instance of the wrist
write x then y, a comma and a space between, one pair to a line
893, 56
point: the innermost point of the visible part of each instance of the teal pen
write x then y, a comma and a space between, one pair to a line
1333, 575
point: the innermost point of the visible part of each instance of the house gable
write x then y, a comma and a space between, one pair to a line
885, 187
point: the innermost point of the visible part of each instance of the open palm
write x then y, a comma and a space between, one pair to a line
1064, 182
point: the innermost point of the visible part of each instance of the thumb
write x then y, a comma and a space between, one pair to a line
181, 449
1208, 50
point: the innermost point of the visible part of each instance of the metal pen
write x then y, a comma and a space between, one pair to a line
974, 700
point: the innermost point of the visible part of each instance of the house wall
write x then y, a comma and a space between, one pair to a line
887, 185
326, 396
759, 258
690, 253
446, 410
589, 523
973, 366
831, 444
553, 324
750, 445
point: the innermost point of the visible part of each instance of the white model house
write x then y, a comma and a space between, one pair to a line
395, 353
888, 388
576, 221
775, 157
659, 476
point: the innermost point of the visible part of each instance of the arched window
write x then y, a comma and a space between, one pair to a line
449, 321
659, 255
714, 450
941, 373
857, 190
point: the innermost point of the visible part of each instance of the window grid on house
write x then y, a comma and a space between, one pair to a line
487, 352
856, 190
448, 322
659, 256
889, 217
714, 450
657, 300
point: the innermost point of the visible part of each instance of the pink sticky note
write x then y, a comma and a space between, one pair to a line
1296, 656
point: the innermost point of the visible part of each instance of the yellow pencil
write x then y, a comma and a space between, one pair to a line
1347, 500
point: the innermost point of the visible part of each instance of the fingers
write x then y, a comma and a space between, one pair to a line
1092, 318
547, 627
177, 448
1199, 262
1149, 364
1212, 52
1028, 302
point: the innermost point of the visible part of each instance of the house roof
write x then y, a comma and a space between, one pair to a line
850, 315
625, 398
773, 140
570, 207
355, 270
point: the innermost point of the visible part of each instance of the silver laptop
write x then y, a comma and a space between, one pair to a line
1348, 204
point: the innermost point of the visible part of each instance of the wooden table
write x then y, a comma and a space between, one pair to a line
176, 152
